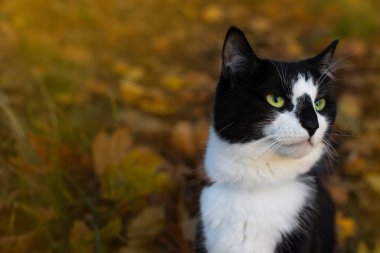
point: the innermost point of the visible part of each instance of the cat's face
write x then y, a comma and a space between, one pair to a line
287, 105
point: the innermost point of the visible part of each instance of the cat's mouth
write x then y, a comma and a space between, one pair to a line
296, 149
299, 143
294, 142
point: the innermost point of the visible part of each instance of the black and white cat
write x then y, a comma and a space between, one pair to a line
270, 128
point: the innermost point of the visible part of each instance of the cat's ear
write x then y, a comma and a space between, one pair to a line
324, 59
237, 55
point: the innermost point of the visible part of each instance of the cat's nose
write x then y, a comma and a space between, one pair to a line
311, 125
307, 115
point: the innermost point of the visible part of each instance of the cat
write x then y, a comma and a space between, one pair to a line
270, 129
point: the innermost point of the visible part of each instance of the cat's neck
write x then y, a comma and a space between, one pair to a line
252, 165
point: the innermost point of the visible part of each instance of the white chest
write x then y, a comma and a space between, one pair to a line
238, 221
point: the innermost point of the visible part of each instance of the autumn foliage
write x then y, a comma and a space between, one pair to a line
105, 108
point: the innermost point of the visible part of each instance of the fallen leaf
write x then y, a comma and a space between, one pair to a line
182, 139
136, 176
362, 248
146, 226
172, 82
99, 152
111, 230
346, 227
23, 243
349, 108
131, 92
81, 238
355, 165
109, 149
377, 247
373, 180
338, 191
98, 88
260, 24
212, 13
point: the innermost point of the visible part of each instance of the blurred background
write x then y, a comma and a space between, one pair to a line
105, 108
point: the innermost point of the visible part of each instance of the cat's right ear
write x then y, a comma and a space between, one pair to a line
238, 55
324, 59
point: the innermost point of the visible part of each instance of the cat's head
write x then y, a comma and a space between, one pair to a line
288, 106
271, 118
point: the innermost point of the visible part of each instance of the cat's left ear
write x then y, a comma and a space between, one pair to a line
324, 59
238, 55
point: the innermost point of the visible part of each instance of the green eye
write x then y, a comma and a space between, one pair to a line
275, 101
320, 104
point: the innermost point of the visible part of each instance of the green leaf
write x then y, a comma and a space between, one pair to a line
111, 230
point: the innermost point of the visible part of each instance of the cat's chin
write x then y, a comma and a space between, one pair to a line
297, 150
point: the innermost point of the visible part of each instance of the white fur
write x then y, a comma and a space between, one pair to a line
291, 136
303, 86
250, 166
241, 221
256, 195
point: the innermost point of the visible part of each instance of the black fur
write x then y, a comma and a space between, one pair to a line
200, 239
318, 226
307, 115
241, 108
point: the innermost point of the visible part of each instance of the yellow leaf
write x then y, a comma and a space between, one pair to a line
163, 182
377, 247
99, 152
294, 48
98, 88
19, 21
146, 226
212, 13
260, 24
135, 176
120, 68
362, 248
346, 227
119, 142
144, 230
159, 107
131, 73
109, 149
134, 73
131, 92
172, 82
182, 139
373, 180
349, 113
81, 238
